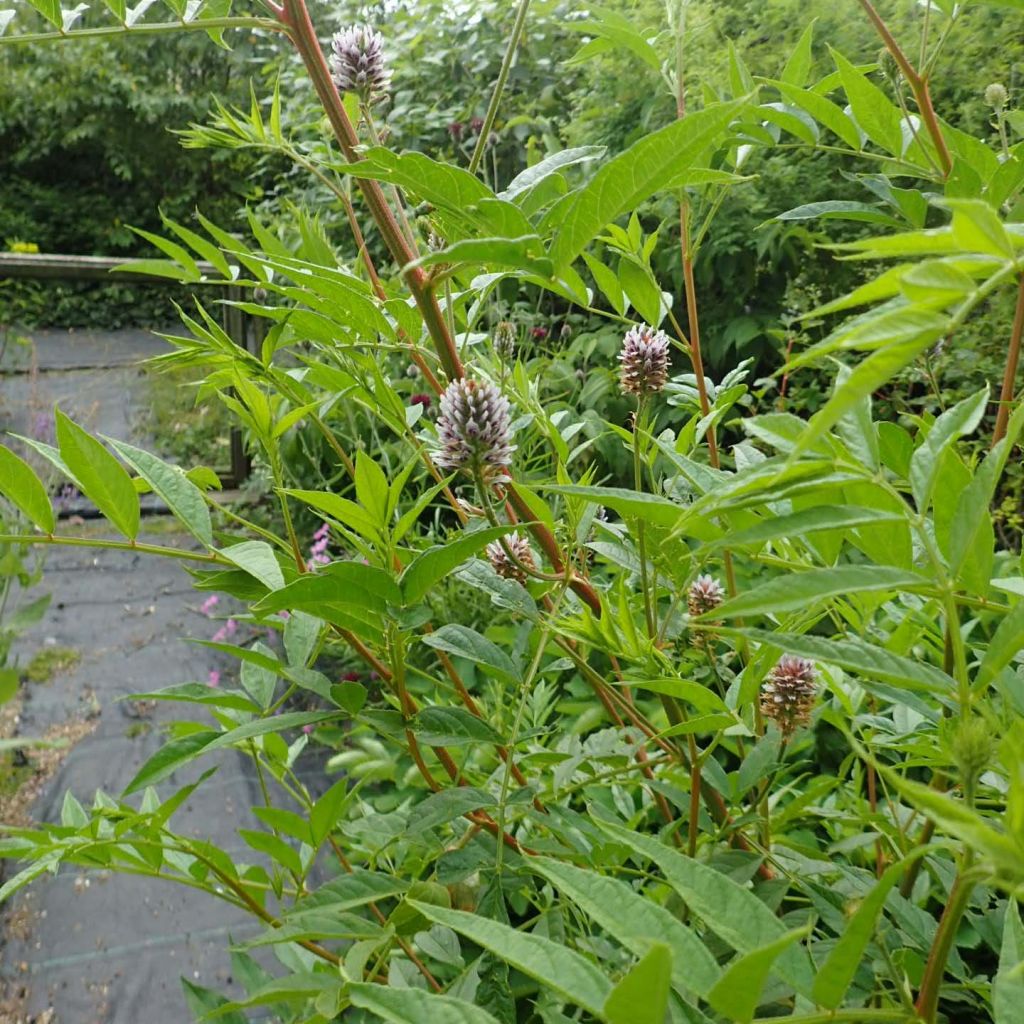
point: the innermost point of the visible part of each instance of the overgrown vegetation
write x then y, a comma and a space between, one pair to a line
658, 689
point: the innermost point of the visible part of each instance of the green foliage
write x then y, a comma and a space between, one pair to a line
647, 702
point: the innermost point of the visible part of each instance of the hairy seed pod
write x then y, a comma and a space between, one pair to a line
644, 360
358, 63
505, 566
789, 693
474, 429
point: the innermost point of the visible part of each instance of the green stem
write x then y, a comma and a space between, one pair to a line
499, 86
843, 1017
641, 540
1010, 373
928, 996
918, 84
155, 29
118, 545
524, 696
300, 27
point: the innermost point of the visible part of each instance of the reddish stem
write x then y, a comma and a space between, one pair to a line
918, 85
1010, 374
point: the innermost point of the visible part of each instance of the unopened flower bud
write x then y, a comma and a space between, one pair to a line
507, 567
358, 63
971, 743
887, 65
996, 95
644, 361
789, 693
474, 429
505, 340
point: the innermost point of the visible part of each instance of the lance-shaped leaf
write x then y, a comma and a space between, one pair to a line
635, 175
20, 485
103, 479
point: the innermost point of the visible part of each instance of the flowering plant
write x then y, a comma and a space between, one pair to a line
735, 737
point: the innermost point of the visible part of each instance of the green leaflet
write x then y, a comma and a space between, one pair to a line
183, 498
836, 974
410, 1005
103, 479
738, 991
731, 911
802, 589
634, 920
560, 968
1008, 985
432, 565
857, 656
634, 175
641, 996
20, 485
464, 642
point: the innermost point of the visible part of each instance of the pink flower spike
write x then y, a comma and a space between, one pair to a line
220, 636
214, 678
307, 729
209, 604
230, 626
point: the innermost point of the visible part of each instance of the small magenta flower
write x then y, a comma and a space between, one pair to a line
214, 678
505, 566
789, 693
318, 550
358, 63
209, 604
455, 130
644, 361
421, 399
540, 333
505, 340
474, 429
476, 125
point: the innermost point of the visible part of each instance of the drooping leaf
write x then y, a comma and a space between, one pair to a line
732, 912
183, 498
257, 558
467, 643
802, 589
857, 656
550, 963
452, 727
633, 919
